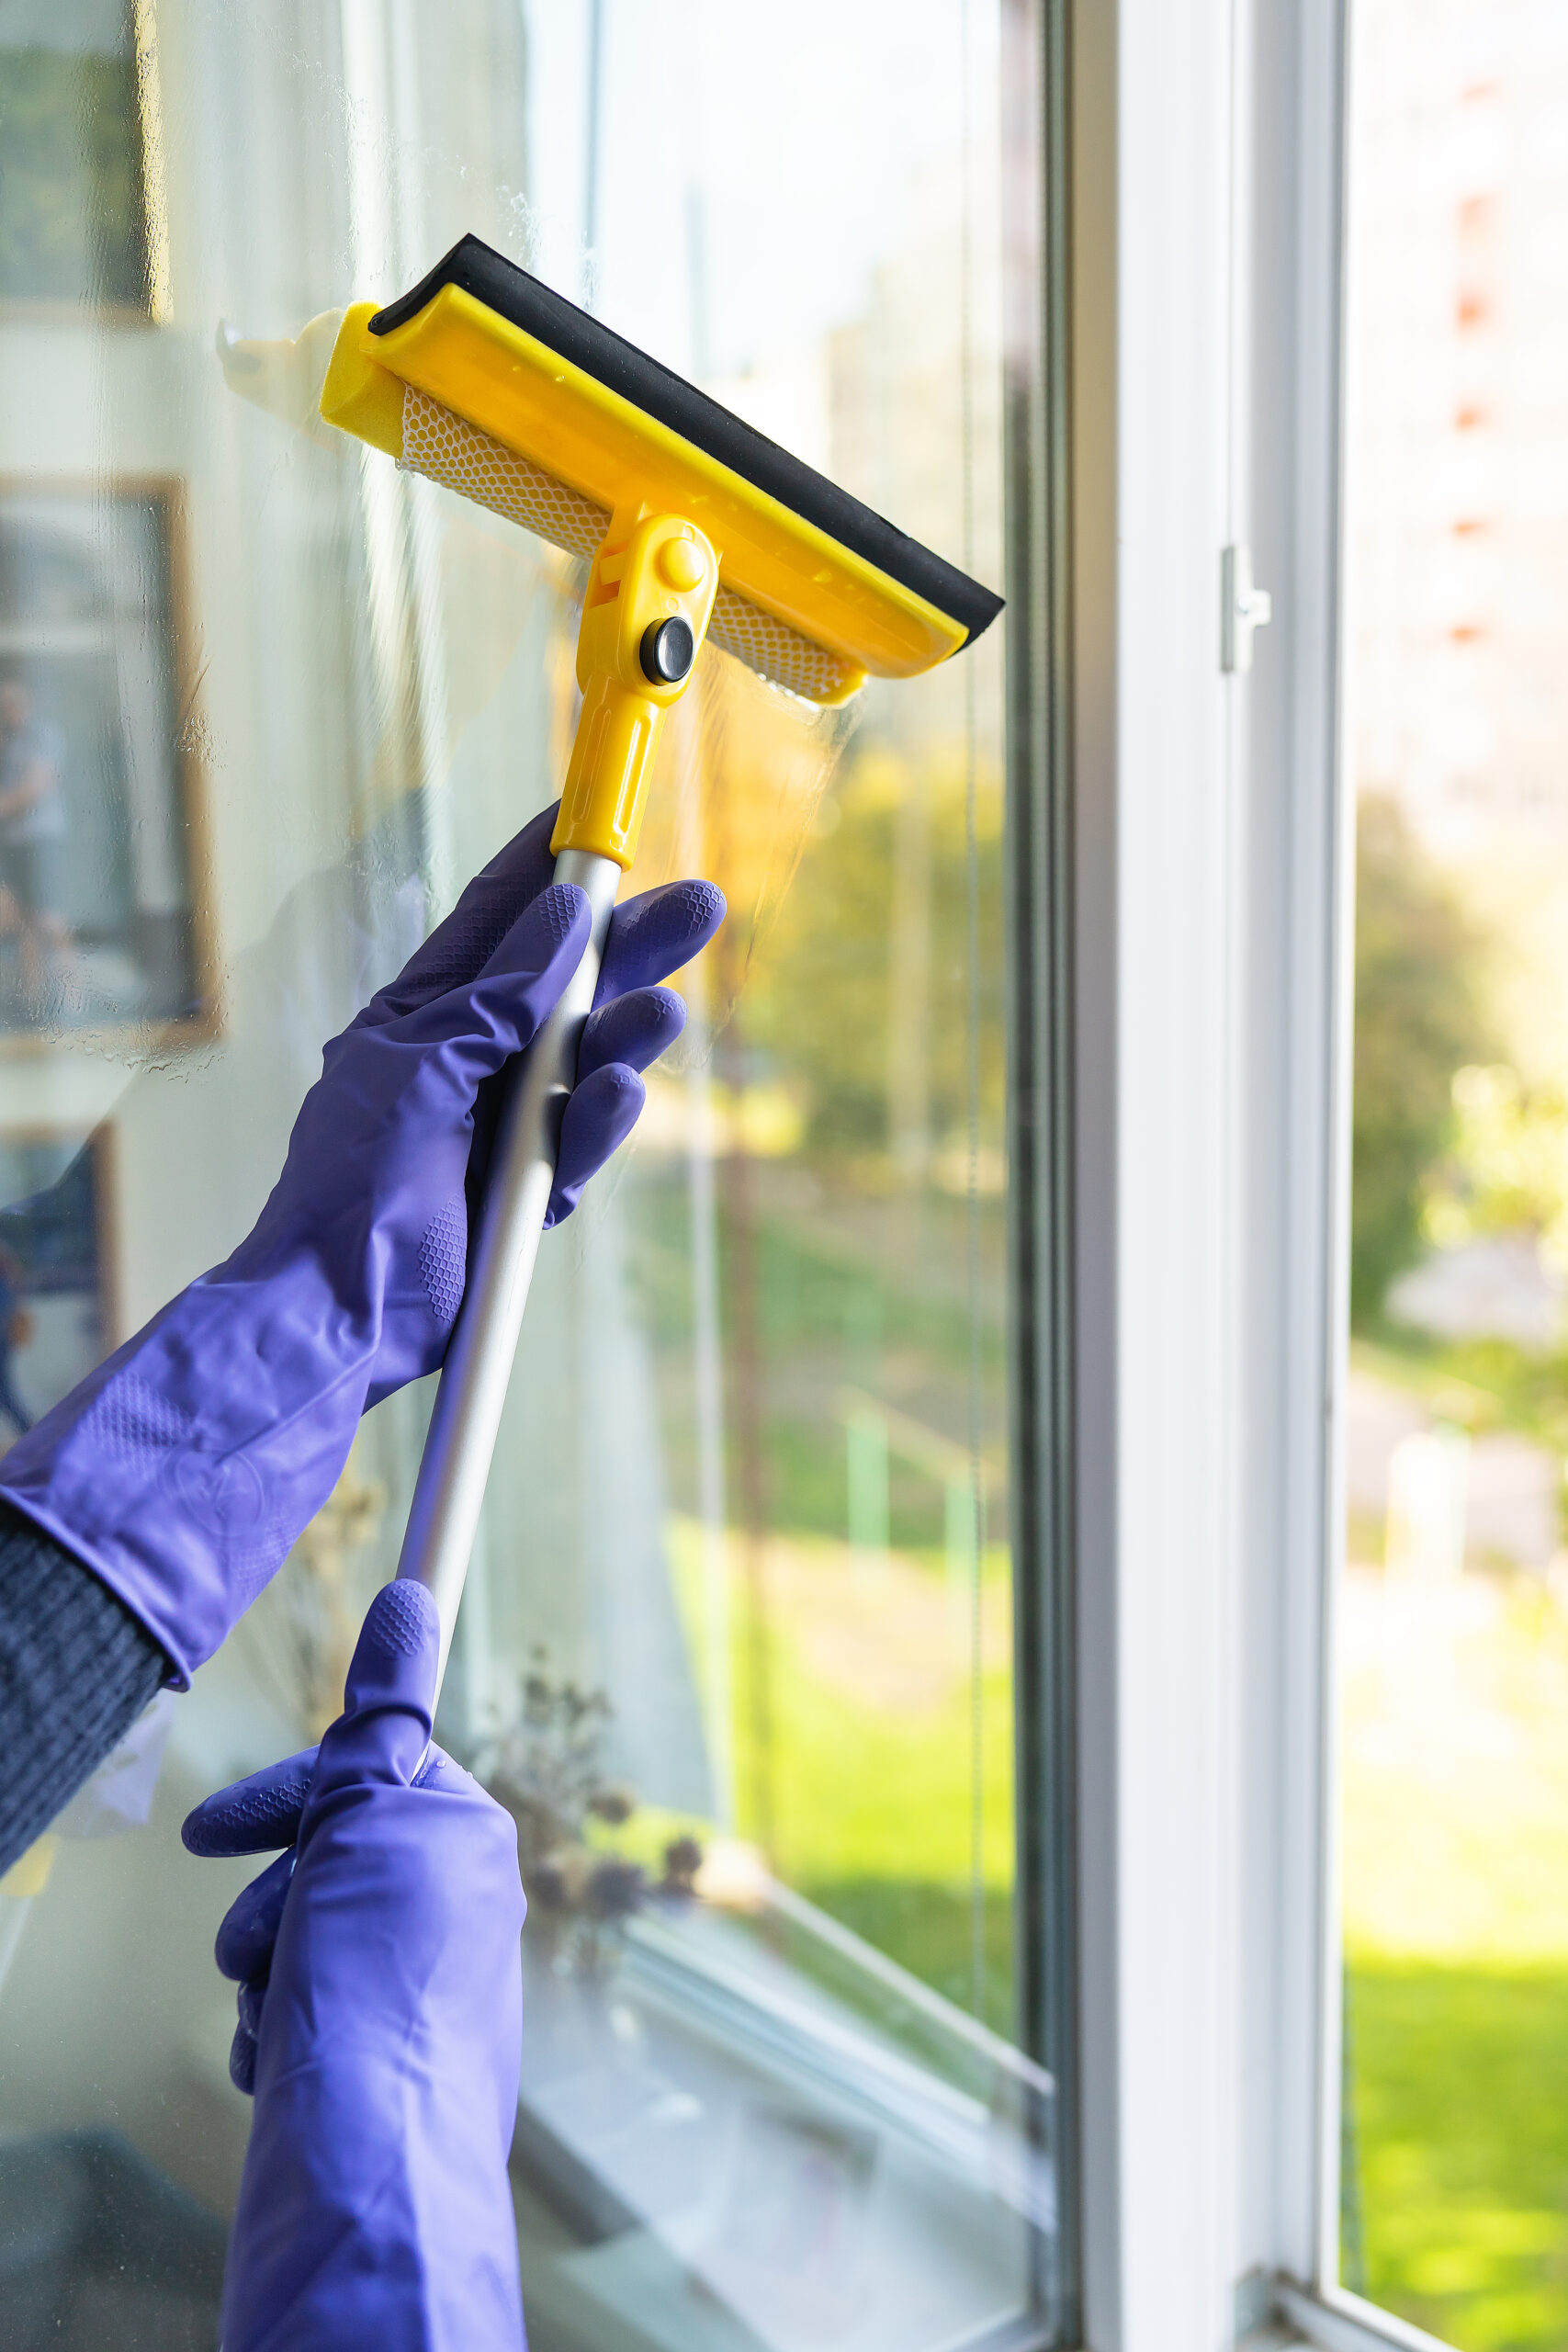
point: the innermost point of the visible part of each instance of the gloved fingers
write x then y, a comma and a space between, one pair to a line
444, 1774
631, 1031
248, 2003
481, 1025
389, 1696
242, 2060
634, 1029
600, 1113
655, 934
249, 1928
459, 949
254, 1815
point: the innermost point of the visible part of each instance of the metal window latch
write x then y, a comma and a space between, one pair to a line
1243, 608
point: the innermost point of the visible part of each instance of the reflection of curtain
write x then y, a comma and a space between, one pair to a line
198, 1142
576, 1517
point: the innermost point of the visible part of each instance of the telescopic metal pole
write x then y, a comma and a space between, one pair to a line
449, 1491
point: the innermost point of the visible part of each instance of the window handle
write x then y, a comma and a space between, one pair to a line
1243, 608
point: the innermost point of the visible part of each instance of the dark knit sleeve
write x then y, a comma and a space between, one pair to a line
76, 1669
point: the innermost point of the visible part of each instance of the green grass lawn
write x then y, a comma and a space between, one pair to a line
1455, 1847
868, 1770
1459, 2078
1455, 1859
929, 1928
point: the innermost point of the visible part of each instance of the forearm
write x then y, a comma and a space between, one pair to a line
76, 1671
182, 1469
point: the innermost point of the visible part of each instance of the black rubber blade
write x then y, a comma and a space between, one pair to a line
551, 319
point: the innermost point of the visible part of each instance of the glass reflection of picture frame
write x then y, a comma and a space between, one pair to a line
58, 1314
79, 125
102, 915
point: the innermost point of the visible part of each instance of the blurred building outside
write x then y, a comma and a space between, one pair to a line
1457, 572
1452, 1614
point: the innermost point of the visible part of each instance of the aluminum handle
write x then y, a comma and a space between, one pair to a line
449, 1491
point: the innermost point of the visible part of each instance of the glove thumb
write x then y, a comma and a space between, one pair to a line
389, 1696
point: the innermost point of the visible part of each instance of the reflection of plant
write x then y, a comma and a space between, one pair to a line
547, 1768
682, 1861
302, 1630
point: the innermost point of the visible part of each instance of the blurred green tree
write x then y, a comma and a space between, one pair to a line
861, 996
1421, 1015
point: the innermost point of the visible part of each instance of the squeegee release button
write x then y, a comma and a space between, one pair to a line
681, 563
666, 651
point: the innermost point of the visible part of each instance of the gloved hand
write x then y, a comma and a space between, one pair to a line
184, 1466
380, 2027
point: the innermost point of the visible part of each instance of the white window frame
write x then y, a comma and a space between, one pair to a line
1207, 1110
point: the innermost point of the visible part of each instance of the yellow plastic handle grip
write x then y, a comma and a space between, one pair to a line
644, 617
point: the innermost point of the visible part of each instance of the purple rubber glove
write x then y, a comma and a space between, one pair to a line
183, 1468
380, 2027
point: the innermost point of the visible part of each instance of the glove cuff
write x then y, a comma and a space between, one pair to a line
181, 1472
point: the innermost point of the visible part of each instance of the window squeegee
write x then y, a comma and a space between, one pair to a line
694, 525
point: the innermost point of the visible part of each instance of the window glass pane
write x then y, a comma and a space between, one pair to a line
737, 1644
1454, 1611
